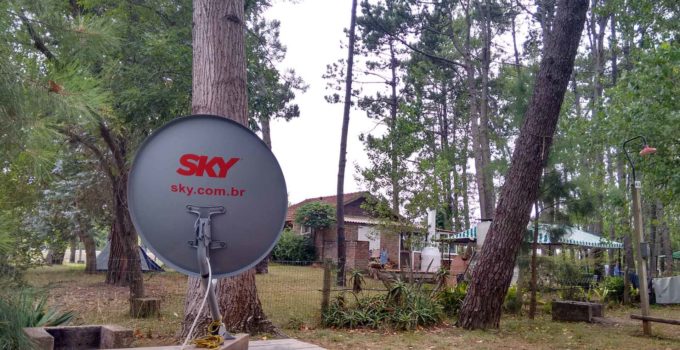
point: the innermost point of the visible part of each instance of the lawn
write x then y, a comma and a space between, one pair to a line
291, 297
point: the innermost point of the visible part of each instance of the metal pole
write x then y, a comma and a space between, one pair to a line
638, 241
203, 244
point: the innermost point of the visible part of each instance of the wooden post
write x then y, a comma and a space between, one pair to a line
638, 238
326, 292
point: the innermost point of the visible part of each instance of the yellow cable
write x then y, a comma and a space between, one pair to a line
211, 341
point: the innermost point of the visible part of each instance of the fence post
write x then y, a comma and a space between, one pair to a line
326, 292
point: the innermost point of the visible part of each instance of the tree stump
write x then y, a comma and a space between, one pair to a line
575, 311
145, 307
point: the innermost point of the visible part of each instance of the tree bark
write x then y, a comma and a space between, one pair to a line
72, 253
464, 183
90, 247
667, 246
491, 277
263, 266
340, 205
219, 88
479, 125
653, 240
124, 267
534, 248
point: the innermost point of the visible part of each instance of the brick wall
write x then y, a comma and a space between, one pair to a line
390, 242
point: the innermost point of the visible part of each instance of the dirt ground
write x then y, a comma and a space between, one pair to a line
98, 303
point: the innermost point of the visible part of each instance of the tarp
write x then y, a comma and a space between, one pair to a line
676, 255
145, 261
667, 290
573, 236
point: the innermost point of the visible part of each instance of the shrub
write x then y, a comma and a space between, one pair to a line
513, 302
614, 288
315, 215
293, 247
26, 309
451, 299
404, 307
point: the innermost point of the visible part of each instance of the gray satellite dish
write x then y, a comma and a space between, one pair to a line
207, 176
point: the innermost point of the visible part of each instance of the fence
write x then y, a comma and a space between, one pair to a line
292, 292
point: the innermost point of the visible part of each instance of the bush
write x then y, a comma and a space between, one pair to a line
26, 309
513, 303
293, 247
614, 287
451, 299
315, 215
404, 307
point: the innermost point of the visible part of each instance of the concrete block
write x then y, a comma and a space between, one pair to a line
113, 336
40, 338
576, 311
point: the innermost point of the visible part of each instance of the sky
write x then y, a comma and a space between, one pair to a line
308, 147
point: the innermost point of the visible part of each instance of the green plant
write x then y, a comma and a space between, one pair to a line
26, 309
547, 307
614, 287
512, 302
293, 247
35, 313
357, 278
404, 307
315, 215
451, 299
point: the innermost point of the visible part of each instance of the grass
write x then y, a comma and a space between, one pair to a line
291, 296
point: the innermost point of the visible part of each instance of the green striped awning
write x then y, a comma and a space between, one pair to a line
573, 236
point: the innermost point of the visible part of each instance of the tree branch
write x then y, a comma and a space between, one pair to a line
115, 150
103, 161
38, 42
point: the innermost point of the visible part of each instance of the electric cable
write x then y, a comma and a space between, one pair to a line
200, 308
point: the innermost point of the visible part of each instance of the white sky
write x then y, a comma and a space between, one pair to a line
308, 147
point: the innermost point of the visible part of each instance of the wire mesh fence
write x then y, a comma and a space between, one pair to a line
292, 292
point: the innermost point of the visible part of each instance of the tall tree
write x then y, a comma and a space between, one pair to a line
491, 277
219, 88
340, 204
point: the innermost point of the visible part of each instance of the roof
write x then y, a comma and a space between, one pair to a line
573, 236
332, 200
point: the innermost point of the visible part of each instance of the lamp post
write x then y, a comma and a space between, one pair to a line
638, 238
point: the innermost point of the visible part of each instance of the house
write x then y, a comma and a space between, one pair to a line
363, 238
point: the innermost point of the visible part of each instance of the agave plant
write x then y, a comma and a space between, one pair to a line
33, 311
26, 309
357, 278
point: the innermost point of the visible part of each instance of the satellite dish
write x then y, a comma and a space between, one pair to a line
200, 168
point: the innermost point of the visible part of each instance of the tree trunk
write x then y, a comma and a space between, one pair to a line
90, 247
90, 253
340, 205
534, 248
491, 277
394, 107
653, 240
478, 123
124, 268
219, 88
263, 266
464, 184
72, 255
667, 246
